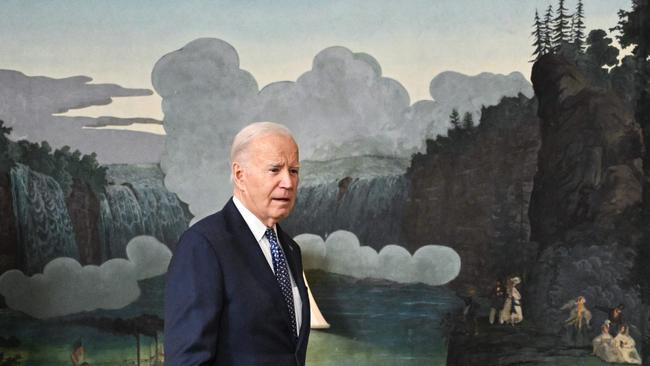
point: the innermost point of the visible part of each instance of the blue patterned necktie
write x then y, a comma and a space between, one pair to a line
282, 275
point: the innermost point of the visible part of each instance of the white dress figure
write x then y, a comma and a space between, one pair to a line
511, 312
603, 346
627, 347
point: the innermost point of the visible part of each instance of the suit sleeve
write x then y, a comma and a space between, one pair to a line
193, 302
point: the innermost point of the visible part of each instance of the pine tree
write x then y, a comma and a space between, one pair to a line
579, 26
454, 119
560, 27
548, 19
468, 121
538, 34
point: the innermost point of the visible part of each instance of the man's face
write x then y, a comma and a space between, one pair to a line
267, 177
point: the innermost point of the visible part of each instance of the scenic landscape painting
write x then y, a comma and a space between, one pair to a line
473, 184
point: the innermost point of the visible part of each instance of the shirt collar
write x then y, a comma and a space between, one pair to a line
256, 226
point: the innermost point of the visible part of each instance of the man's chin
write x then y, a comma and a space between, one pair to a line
282, 213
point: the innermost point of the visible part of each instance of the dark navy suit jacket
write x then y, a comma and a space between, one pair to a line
223, 305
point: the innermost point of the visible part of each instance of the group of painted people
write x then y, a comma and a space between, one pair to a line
505, 302
614, 343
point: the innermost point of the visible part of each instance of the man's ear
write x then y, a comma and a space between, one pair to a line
237, 171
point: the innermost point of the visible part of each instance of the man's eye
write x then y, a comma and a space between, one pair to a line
274, 170
295, 171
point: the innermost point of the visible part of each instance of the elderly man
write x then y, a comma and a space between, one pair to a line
235, 294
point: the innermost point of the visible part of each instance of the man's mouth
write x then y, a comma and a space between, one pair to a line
282, 199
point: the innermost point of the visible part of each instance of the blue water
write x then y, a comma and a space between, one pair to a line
373, 322
398, 324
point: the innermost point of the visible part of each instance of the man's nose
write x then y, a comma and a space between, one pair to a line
286, 180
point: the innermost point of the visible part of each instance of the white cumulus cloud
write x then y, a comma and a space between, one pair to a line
343, 254
66, 287
150, 257
342, 107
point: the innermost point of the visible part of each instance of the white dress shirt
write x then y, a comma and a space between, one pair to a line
258, 229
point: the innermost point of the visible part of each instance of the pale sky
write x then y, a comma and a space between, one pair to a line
119, 41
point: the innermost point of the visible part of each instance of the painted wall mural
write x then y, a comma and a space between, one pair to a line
473, 182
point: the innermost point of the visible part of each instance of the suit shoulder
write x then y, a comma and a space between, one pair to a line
209, 223
208, 229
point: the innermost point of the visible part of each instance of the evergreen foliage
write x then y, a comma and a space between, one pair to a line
631, 29
600, 49
578, 31
559, 32
454, 119
61, 164
548, 19
457, 135
560, 27
468, 121
539, 34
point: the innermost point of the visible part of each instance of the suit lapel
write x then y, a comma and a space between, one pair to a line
252, 254
249, 247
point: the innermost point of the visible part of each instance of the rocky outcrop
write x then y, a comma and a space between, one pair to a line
8, 243
472, 193
469, 191
587, 197
83, 207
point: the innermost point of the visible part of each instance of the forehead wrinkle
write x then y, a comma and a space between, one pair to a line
269, 154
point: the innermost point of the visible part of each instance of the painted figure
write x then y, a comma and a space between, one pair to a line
235, 294
627, 347
470, 311
578, 323
77, 354
511, 312
603, 345
615, 316
497, 298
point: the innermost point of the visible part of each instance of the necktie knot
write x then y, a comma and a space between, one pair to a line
270, 234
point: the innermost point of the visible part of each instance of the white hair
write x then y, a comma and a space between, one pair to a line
246, 135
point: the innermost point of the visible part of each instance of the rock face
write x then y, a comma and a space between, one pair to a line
586, 200
83, 208
473, 194
8, 240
